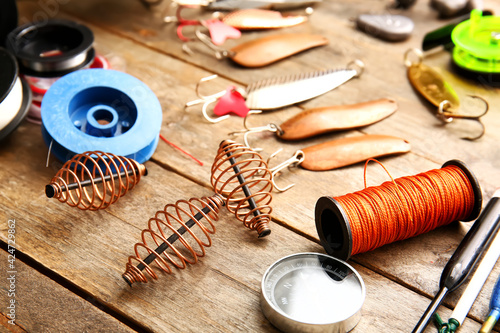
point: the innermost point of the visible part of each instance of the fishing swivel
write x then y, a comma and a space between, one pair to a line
432, 86
294, 161
271, 127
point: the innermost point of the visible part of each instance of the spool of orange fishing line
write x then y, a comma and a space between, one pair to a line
406, 207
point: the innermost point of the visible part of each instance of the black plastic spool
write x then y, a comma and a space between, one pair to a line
8, 18
9, 73
30, 41
333, 226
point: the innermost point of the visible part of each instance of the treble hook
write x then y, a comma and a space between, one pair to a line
205, 112
447, 115
294, 161
249, 130
203, 98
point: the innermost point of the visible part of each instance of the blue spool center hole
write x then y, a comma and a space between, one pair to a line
103, 116
102, 112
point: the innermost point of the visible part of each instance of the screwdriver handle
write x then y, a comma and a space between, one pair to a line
494, 314
477, 239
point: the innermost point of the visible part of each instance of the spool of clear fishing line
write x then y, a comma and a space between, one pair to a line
15, 95
101, 109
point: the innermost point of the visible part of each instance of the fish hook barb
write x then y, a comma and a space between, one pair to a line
249, 130
294, 161
447, 115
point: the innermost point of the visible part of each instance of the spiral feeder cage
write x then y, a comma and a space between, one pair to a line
178, 234
94, 180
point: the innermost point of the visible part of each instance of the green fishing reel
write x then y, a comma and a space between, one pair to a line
477, 44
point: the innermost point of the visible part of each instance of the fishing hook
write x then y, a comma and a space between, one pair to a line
249, 130
205, 112
220, 53
447, 115
293, 161
205, 98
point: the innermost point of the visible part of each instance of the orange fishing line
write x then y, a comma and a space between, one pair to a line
407, 207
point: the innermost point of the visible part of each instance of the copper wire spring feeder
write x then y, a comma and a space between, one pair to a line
94, 180
235, 172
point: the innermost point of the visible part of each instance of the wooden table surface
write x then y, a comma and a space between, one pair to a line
69, 262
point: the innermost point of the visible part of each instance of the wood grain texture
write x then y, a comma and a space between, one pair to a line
90, 250
42, 305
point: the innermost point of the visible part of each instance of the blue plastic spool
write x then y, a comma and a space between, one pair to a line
101, 109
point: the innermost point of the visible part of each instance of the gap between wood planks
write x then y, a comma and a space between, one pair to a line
65, 283
16, 328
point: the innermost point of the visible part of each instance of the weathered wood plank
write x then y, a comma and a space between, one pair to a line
42, 305
89, 249
150, 52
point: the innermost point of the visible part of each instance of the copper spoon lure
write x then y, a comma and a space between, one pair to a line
266, 50
342, 152
322, 120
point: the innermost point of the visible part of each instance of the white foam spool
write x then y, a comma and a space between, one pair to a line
15, 95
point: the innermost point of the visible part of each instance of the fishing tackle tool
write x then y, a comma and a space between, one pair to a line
258, 19
228, 5
236, 171
224, 26
448, 8
477, 44
465, 257
313, 122
432, 86
266, 50
494, 314
441, 37
276, 92
312, 292
104, 110
40, 85
15, 95
51, 48
8, 19
484, 268
94, 180
344, 232
340, 153
218, 30
388, 27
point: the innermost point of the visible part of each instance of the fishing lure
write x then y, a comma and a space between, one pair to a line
341, 152
432, 86
276, 92
387, 27
447, 8
266, 50
218, 30
256, 19
322, 120
224, 26
269, 4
